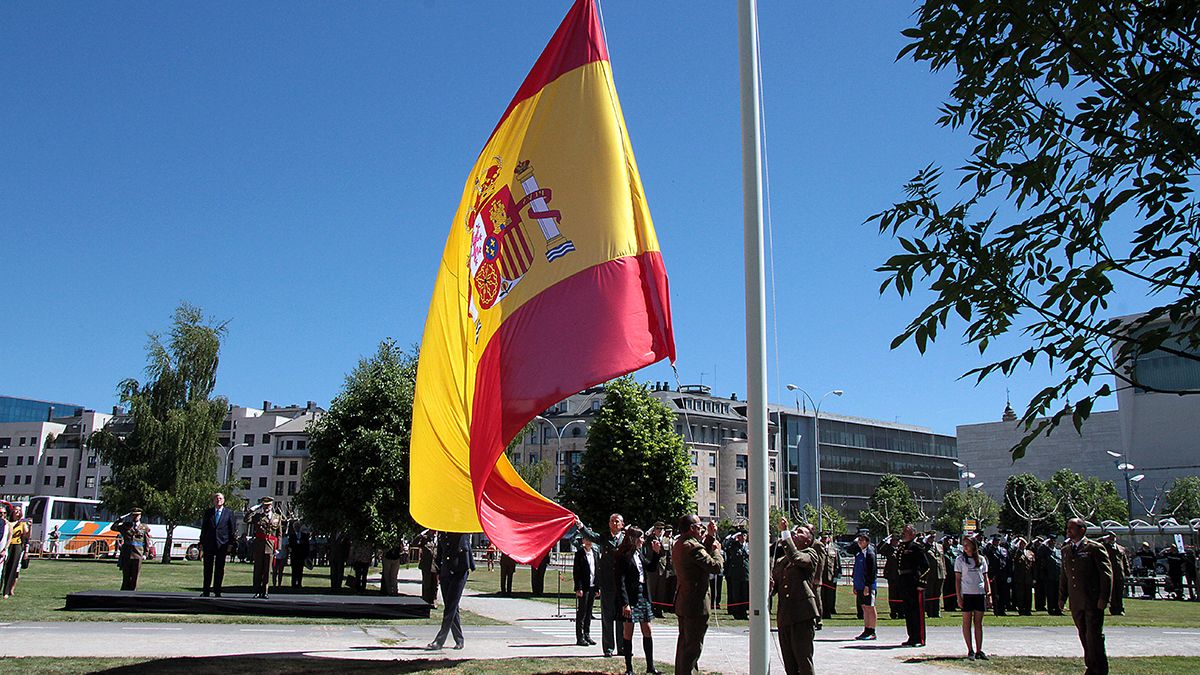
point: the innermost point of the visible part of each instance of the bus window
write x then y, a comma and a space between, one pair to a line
37, 510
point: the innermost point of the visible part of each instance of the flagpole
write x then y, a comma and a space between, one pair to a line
756, 339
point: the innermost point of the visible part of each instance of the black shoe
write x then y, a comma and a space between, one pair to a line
218, 594
433, 646
459, 645
581, 643
870, 636
981, 656
204, 594
608, 652
590, 641
653, 671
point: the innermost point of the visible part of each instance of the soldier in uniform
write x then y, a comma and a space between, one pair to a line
694, 561
265, 527
791, 577
1118, 557
1087, 581
1024, 563
830, 573
657, 561
1050, 573
737, 575
508, 571
949, 591
135, 547
999, 571
935, 576
910, 585
426, 562
889, 549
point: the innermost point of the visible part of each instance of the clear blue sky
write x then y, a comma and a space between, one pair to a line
293, 168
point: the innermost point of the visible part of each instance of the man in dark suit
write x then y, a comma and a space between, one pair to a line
455, 563
587, 587
218, 535
1087, 581
694, 559
610, 620
910, 584
792, 576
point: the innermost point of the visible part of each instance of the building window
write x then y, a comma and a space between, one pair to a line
695, 458
45, 480
3, 461
60, 481
89, 482
29, 460
741, 486
22, 440
287, 445
293, 468
266, 439
248, 440
576, 432
280, 467
50, 460
516, 458
743, 510
712, 459
772, 465
300, 445
6, 442
278, 488
291, 487
247, 461
743, 461
20, 460
712, 509
696, 482
264, 460
262, 481
91, 461
533, 458
772, 487
712, 484
595, 405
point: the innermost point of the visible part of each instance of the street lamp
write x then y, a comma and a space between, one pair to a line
1125, 468
922, 473
816, 443
559, 433
228, 454
964, 472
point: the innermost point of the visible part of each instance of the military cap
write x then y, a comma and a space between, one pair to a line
266, 500
137, 510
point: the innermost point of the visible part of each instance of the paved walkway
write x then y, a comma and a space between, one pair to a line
531, 630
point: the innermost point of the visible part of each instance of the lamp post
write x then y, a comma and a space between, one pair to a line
928, 518
228, 454
1124, 468
964, 471
559, 433
816, 443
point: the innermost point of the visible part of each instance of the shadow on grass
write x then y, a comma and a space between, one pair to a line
298, 663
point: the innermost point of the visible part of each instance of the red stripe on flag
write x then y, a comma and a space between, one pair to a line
601, 323
578, 41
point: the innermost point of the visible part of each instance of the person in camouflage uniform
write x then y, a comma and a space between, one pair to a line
135, 547
265, 526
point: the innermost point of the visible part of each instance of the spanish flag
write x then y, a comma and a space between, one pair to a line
551, 282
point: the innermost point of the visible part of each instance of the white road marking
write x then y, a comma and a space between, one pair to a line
1176, 632
148, 628
267, 630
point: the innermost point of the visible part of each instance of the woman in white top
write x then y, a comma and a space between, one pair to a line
970, 573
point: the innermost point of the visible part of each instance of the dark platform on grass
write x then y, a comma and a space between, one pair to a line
283, 604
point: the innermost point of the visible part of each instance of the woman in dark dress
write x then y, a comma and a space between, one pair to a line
634, 597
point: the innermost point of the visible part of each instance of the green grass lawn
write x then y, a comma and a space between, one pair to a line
303, 665
42, 590
1153, 613
1038, 665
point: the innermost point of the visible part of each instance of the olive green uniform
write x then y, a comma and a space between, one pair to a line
265, 528
135, 547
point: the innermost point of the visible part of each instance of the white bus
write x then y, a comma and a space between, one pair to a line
84, 528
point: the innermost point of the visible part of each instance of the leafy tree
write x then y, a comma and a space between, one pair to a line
357, 476
832, 520
1030, 507
890, 508
534, 474
1089, 498
1183, 498
634, 462
164, 458
960, 505
1081, 181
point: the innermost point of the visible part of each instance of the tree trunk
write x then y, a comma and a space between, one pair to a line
166, 554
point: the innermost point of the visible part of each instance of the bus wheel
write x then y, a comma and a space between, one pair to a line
193, 552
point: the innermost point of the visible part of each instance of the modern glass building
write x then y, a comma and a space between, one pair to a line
28, 410
855, 454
